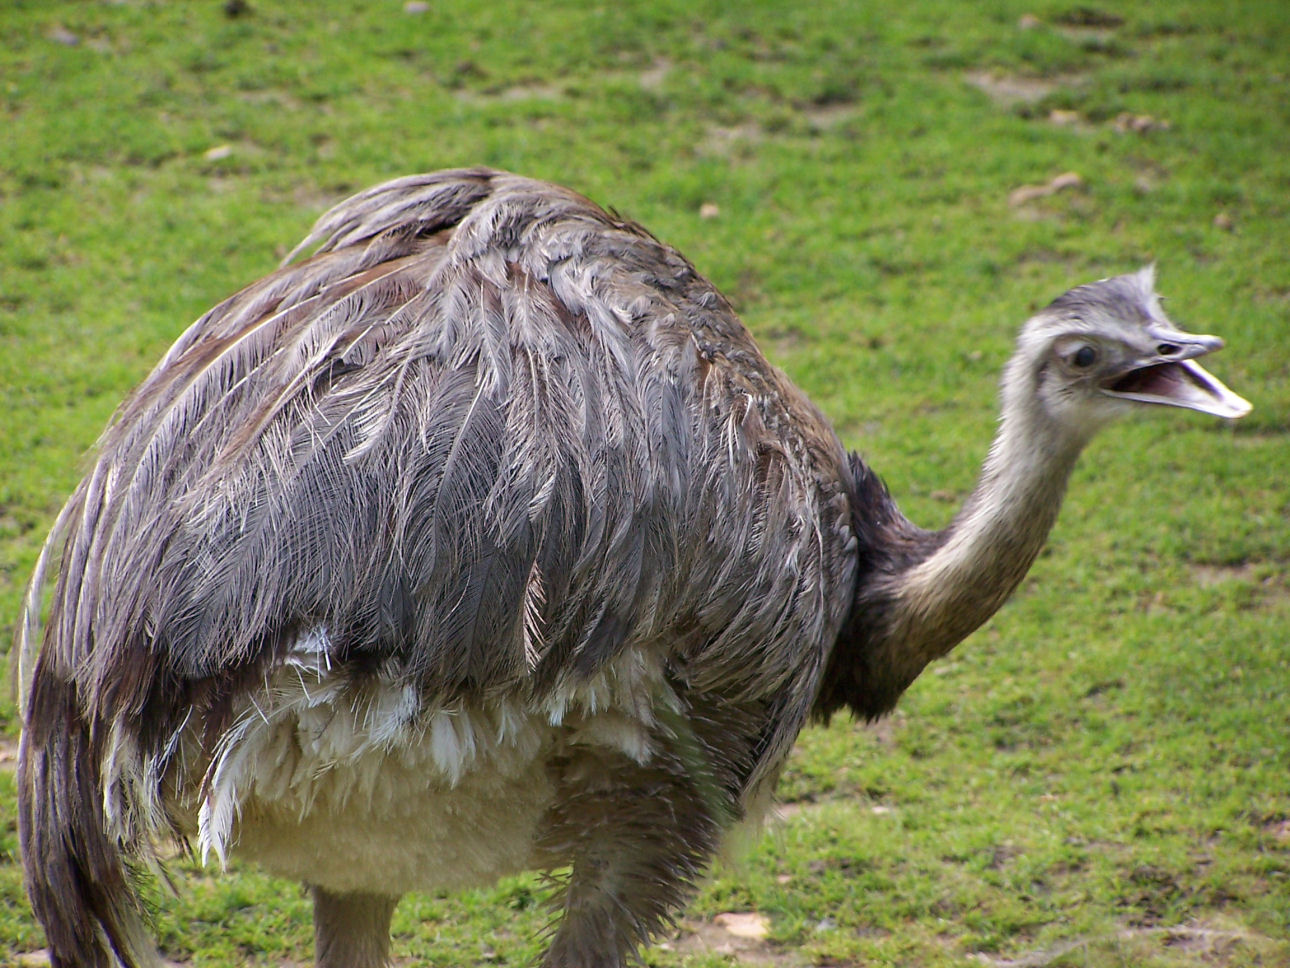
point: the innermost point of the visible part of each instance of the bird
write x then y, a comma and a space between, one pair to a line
480, 537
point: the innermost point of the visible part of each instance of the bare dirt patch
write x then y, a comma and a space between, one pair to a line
8, 753
740, 935
822, 117
722, 140
790, 810
1270, 586
651, 79
1209, 946
1209, 575
1066, 181
1095, 38
1010, 89
40, 959
275, 97
513, 94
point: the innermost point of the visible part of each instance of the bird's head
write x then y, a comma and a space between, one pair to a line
1106, 348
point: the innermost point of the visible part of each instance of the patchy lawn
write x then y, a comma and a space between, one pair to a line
1097, 777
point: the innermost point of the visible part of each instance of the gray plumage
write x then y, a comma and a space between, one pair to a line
506, 486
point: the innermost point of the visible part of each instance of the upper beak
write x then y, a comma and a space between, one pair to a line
1171, 376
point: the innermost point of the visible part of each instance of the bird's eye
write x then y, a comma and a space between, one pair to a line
1084, 357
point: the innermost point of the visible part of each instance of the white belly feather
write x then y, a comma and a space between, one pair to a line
357, 787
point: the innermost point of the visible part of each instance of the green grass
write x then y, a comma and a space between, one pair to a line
1097, 777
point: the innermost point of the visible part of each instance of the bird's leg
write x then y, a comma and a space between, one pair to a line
620, 891
352, 930
637, 837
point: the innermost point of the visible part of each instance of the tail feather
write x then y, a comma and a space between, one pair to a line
78, 877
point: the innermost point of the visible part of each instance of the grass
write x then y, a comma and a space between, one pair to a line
1097, 777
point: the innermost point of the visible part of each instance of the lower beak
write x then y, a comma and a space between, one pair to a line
1179, 381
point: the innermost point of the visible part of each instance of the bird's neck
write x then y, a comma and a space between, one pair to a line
919, 610
992, 541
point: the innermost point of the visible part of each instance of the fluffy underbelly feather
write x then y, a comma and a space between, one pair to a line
355, 785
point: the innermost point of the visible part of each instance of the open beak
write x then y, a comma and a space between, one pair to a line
1174, 378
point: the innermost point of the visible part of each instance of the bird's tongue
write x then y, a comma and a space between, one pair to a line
1182, 384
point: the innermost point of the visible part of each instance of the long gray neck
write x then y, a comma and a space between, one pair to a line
904, 620
992, 541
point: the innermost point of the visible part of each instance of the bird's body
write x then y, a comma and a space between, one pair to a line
484, 539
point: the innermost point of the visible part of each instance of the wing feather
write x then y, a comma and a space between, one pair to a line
488, 433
